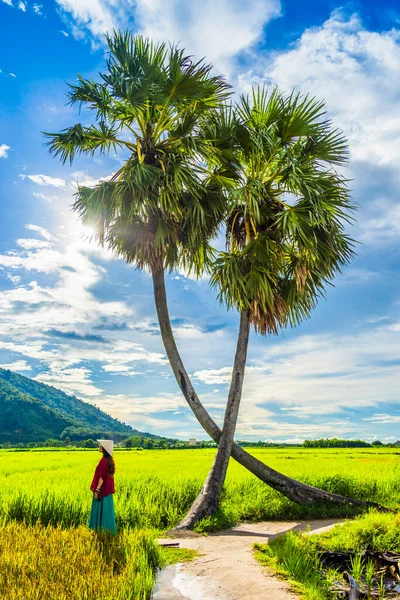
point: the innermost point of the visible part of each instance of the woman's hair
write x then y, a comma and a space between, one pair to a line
110, 462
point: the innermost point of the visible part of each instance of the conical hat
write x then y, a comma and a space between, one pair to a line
108, 445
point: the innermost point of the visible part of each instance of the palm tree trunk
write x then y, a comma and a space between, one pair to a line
206, 502
291, 488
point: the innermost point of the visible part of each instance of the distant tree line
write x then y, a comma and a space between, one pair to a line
145, 442
134, 442
261, 444
149, 443
339, 443
320, 443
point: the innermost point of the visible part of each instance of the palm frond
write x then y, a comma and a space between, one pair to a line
84, 140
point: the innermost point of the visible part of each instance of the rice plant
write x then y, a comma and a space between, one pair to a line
154, 488
46, 563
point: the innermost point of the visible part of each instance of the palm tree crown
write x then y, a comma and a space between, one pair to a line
285, 226
152, 102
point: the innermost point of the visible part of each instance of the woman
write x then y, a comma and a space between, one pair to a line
102, 515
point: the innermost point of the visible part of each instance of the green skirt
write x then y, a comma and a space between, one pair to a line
102, 516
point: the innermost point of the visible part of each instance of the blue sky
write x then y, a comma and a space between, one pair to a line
73, 316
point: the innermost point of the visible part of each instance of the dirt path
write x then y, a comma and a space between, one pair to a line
226, 568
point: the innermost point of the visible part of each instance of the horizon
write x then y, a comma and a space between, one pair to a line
137, 433
77, 318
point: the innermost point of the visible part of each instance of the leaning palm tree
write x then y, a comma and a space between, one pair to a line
236, 152
164, 205
284, 232
160, 209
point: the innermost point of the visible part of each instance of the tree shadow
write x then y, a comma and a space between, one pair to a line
311, 525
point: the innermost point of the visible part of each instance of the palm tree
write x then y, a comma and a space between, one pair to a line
221, 130
162, 207
284, 232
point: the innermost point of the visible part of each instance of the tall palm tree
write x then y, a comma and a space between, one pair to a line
284, 232
232, 142
161, 208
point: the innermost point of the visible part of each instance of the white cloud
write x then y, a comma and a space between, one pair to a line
186, 434
12, 75
15, 279
72, 381
38, 9
307, 411
356, 71
218, 29
45, 180
53, 323
29, 243
17, 365
83, 179
64, 33
113, 368
97, 16
9, 2
312, 376
382, 224
4, 150
214, 376
223, 375
383, 419
43, 260
377, 319
22, 5
41, 231
131, 404
141, 411
317, 376
272, 429
44, 197
76, 275
126, 370
191, 332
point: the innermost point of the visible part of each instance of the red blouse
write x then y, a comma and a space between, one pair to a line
108, 482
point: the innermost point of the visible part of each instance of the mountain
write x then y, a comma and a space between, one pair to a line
31, 411
24, 419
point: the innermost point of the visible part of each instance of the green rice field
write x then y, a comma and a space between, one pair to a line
154, 488
45, 494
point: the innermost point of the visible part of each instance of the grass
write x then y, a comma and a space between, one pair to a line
292, 558
155, 488
171, 556
45, 499
295, 556
46, 563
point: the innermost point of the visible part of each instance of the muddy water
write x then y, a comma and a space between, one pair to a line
174, 584
165, 588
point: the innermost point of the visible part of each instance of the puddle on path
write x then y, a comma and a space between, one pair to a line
165, 589
173, 584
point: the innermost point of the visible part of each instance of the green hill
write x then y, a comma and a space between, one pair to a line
24, 419
31, 411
